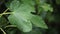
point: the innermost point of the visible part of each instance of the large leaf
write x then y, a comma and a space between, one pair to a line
22, 14
38, 21
20, 21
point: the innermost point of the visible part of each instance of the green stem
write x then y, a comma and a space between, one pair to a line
10, 26
2, 30
6, 13
6, 10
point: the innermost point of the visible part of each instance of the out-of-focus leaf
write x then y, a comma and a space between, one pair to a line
11, 31
3, 22
38, 21
52, 31
58, 1
50, 17
42, 1
43, 14
47, 7
57, 17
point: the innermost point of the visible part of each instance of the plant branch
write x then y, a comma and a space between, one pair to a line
4, 12
2, 30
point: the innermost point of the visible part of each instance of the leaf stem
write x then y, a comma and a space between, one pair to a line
4, 12
2, 30
10, 26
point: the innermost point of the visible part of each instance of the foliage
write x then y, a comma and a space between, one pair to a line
27, 17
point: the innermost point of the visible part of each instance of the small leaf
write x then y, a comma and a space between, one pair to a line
38, 21
47, 7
